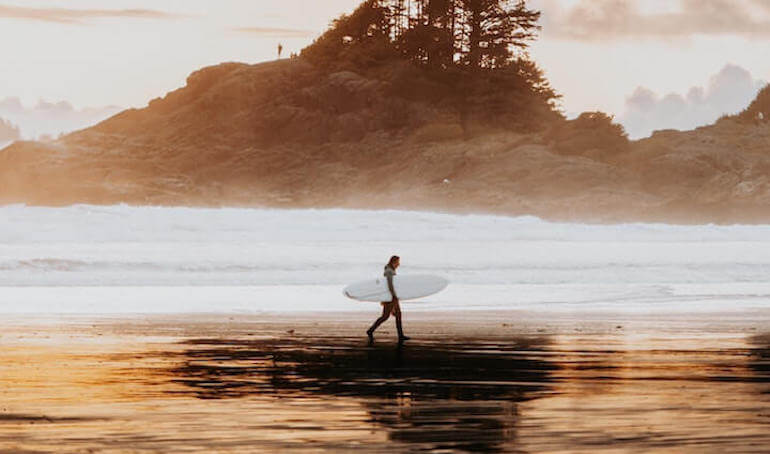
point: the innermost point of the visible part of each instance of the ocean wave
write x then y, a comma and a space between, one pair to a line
94, 224
121, 245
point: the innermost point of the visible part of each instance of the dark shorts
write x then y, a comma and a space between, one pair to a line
393, 307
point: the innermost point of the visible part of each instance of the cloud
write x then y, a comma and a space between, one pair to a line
728, 92
590, 20
51, 119
79, 16
267, 32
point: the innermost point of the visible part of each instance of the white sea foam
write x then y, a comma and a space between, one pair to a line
152, 259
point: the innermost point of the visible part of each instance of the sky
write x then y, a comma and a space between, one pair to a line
651, 63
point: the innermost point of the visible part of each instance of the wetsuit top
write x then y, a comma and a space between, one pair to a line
389, 273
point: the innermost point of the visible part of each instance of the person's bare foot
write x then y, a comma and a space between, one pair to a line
401, 339
371, 336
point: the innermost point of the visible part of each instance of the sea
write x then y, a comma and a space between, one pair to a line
118, 259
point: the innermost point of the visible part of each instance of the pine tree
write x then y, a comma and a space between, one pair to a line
471, 34
494, 30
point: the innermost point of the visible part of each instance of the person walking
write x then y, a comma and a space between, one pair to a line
392, 306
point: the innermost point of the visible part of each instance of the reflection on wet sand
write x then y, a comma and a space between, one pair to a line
278, 385
459, 394
655, 395
760, 359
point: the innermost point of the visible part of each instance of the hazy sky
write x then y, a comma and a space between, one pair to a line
597, 53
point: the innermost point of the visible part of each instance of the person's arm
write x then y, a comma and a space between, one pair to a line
390, 286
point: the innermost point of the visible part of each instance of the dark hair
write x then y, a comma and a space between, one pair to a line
393, 259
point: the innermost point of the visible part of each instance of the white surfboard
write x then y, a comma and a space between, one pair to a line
408, 287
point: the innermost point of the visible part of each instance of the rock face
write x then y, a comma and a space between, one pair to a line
284, 134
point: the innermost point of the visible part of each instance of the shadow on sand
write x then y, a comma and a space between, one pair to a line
445, 394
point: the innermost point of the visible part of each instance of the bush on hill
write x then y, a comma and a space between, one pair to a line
591, 133
759, 109
8, 132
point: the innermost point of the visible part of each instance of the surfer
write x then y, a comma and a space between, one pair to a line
392, 306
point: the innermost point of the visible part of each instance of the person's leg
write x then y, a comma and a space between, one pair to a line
386, 310
399, 327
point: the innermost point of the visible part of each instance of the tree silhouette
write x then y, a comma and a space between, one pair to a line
494, 30
468, 55
476, 34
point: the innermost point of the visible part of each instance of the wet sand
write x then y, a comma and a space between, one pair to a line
466, 382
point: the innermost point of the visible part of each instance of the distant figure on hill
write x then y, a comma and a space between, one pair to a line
392, 306
280, 50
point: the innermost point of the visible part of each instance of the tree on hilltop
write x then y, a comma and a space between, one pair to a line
467, 33
469, 55
492, 31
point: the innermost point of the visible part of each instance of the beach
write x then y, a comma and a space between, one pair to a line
151, 329
467, 382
